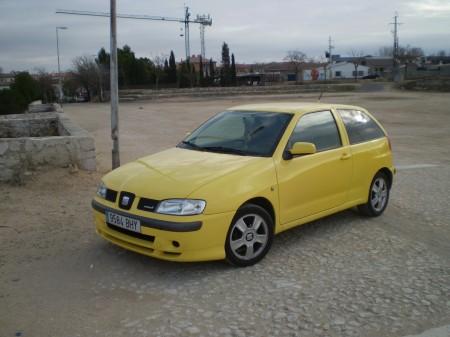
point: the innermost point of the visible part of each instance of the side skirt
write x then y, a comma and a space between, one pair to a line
309, 218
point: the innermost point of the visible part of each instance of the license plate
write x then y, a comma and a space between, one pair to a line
123, 222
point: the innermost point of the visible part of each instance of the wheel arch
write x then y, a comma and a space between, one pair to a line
388, 174
264, 203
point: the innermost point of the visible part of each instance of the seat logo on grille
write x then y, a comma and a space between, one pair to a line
125, 200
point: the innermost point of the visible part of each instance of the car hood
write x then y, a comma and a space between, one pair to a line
174, 173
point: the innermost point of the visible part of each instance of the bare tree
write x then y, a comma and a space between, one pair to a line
440, 53
297, 59
408, 55
46, 86
87, 73
257, 67
357, 59
1, 70
158, 61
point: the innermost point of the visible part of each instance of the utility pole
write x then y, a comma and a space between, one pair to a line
330, 57
186, 33
114, 87
395, 61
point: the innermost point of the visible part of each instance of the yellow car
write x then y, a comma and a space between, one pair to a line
243, 176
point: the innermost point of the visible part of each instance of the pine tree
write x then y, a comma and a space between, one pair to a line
193, 77
172, 73
166, 71
233, 71
201, 77
212, 72
225, 78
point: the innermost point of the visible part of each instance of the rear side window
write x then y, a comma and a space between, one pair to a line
318, 128
360, 127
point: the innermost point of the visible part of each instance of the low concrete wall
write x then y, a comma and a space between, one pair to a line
147, 94
62, 144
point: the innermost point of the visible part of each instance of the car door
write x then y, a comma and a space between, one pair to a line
313, 183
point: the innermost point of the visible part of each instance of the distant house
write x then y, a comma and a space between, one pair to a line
437, 60
273, 72
341, 70
6, 80
378, 65
194, 60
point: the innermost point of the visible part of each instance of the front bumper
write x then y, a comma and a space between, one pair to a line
201, 238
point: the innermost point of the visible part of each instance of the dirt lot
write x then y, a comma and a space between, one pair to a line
341, 276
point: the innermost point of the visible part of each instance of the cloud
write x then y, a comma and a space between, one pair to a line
431, 8
255, 30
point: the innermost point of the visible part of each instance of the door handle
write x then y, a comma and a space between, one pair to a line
346, 156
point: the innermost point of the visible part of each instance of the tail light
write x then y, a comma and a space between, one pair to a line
390, 145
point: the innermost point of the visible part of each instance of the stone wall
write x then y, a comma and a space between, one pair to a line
42, 139
29, 125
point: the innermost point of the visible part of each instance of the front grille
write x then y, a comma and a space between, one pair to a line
126, 200
141, 236
148, 205
111, 195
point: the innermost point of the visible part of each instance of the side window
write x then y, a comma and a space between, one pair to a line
318, 128
360, 127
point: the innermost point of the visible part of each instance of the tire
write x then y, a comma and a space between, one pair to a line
378, 196
246, 245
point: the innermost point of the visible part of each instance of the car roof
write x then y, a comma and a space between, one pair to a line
294, 107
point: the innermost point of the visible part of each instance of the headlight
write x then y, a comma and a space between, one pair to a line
101, 190
181, 206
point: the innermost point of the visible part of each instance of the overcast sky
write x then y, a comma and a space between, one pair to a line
256, 30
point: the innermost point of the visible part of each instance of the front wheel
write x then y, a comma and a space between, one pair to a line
378, 196
250, 236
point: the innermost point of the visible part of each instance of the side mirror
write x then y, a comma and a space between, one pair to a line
300, 148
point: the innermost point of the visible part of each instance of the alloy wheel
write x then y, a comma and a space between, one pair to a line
249, 236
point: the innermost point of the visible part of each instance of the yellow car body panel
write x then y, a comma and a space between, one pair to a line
299, 190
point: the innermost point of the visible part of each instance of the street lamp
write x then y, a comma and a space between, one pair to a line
59, 66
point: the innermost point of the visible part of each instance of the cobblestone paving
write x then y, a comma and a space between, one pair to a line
344, 275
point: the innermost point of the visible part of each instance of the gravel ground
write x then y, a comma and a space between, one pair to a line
340, 276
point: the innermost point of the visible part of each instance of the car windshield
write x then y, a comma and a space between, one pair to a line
244, 133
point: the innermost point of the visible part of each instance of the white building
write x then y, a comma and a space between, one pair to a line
339, 70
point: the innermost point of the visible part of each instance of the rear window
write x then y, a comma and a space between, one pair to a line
360, 127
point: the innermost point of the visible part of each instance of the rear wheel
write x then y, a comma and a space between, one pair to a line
250, 236
378, 196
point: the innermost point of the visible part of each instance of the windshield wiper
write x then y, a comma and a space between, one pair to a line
226, 150
192, 145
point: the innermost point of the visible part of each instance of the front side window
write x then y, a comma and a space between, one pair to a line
250, 133
360, 127
318, 128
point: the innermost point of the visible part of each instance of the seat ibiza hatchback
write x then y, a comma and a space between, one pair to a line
243, 176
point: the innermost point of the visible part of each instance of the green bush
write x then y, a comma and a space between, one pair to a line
11, 102
23, 91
